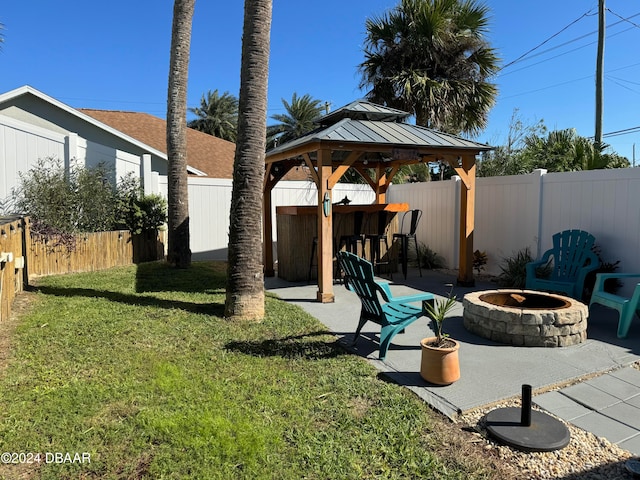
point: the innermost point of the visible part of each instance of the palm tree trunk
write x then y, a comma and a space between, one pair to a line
179, 253
245, 276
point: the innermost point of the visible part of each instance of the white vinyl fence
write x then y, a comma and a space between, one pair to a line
210, 202
511, 213
515, 212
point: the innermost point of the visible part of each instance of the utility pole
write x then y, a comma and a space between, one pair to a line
599, 73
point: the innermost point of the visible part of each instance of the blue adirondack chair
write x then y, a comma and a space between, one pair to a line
379, 305
626, 307
573, 259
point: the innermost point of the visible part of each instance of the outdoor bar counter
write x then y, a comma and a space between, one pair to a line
297, 226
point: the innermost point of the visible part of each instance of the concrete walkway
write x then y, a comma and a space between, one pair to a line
600, 390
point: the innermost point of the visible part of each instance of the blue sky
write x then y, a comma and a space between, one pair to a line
115, 55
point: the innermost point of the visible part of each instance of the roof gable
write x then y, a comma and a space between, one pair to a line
13, 95
211, 155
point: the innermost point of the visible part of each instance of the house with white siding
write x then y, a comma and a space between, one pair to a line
35, 126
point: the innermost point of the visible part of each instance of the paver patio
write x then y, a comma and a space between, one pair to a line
492, 372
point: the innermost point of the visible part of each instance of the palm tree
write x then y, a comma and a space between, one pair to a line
245, 276
565, 151
179, 253
298, 120
431, 58
217, 115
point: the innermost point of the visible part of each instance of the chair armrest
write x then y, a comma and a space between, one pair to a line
419, 297
602, 277
584, 271
617, 275
531, 267
388, 296
386, 291
635, 298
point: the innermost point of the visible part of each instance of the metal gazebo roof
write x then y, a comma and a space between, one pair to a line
365, 123
369, 138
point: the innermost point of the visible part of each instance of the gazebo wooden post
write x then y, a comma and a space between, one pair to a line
467, 172
381, 185
325, 228
267, 225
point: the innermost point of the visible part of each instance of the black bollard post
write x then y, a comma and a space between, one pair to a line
525, 413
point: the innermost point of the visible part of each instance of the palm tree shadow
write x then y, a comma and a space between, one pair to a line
291, 347
215, 309
161, 277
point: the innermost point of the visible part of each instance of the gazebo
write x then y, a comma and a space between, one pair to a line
375, 141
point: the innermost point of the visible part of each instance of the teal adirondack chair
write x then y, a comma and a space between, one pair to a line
626, 307
573, 259
393, 314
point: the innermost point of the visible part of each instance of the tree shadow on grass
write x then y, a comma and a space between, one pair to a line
215, 309
201, 277
291, 347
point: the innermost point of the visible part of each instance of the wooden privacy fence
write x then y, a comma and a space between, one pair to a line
27, 256
92, 251
12, 278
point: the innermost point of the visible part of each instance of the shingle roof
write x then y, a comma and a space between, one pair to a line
207, 153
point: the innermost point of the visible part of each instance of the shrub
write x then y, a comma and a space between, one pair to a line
80, 200
428, 258
93, 199
140, 213
513, 271
85, 200
479, 261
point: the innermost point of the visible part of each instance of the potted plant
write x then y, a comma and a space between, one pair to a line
440, 364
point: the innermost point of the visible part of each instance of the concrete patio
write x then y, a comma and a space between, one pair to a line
607, 405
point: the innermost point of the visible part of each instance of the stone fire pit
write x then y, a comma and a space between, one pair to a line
526, 318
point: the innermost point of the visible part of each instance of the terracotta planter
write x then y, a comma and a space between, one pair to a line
439, 365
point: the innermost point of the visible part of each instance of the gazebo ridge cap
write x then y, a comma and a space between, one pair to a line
363, 110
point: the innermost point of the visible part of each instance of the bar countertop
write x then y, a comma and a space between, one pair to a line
339, 208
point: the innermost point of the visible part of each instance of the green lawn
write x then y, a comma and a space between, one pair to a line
136, 369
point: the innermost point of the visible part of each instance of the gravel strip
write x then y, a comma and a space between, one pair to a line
586, 457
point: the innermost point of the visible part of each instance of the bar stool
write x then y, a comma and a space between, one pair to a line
352, 240
375, 239
404, 239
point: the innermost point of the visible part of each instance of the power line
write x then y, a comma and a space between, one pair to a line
619, 82
623, 19
521, 58
625, 80
625, 131
564, 53
548, 87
